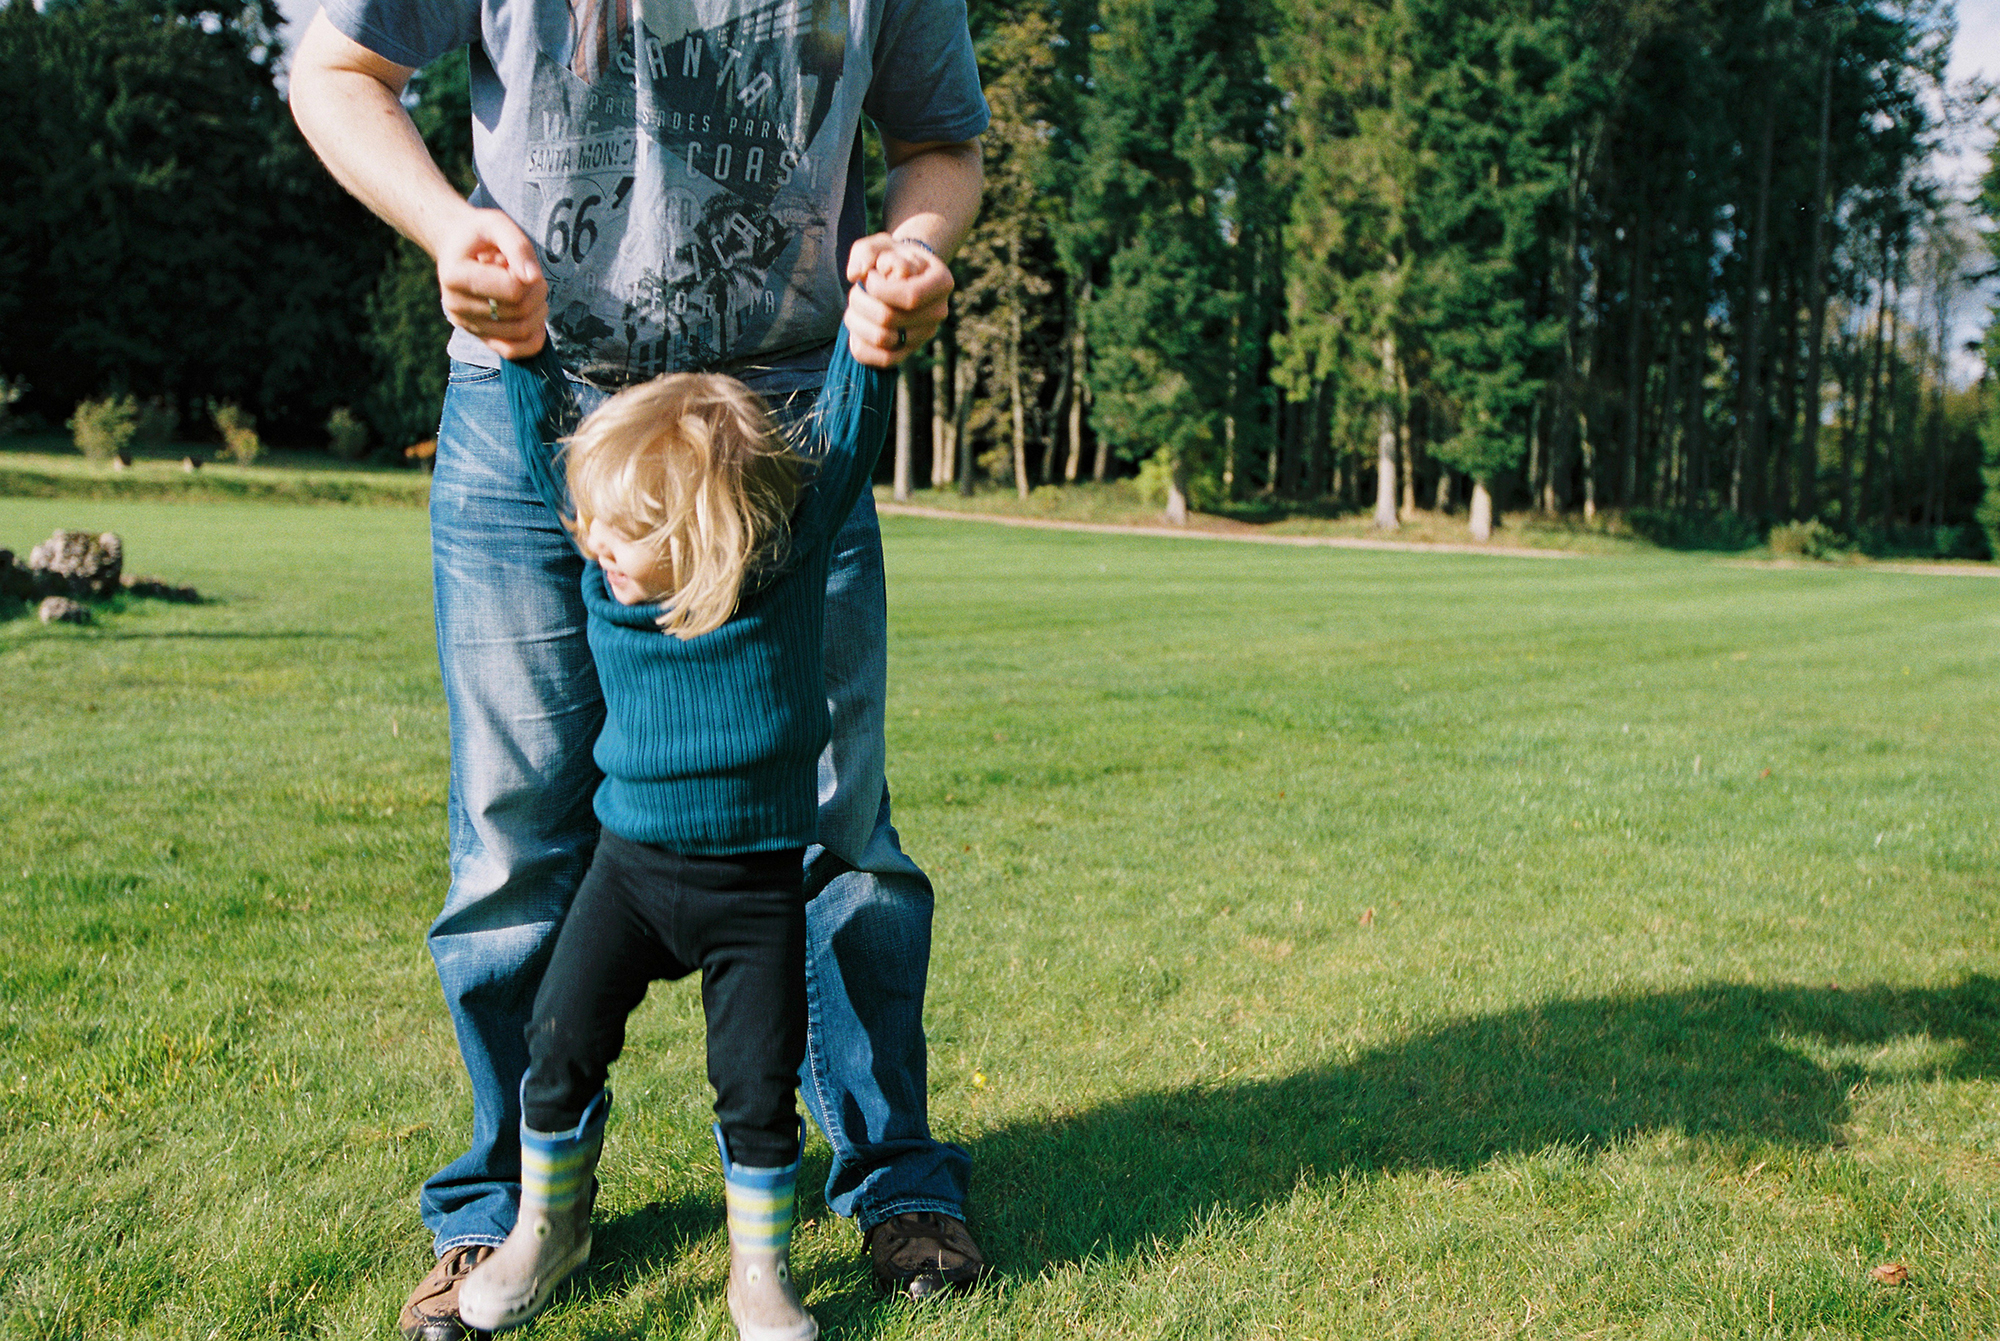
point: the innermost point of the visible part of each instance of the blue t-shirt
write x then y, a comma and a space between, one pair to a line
690, 169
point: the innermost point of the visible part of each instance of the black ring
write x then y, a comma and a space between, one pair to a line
902, 337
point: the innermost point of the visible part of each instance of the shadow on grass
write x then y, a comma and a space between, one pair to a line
1726, 1062
96, 632
231, 635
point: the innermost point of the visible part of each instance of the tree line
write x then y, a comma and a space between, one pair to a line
1677, 258
166, 235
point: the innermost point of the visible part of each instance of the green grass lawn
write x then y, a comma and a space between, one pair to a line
1330, 944
48, 467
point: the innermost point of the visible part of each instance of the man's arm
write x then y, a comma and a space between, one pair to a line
931, 197
348, 103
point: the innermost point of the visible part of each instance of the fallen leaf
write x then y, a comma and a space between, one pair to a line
1765, 774
1891, 1273
1368, 918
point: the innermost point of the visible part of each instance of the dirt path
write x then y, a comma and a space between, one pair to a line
1914, 567
1226, 531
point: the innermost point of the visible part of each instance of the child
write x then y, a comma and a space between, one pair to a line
708, 542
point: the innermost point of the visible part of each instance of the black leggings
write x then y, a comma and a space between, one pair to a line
644, 913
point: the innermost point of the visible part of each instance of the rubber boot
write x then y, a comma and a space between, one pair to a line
551, 1235
762, 1302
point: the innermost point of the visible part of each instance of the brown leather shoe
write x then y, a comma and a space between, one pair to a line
923, 1253
432, 1311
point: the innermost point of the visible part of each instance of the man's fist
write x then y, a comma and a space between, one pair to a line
491, 285
900, 293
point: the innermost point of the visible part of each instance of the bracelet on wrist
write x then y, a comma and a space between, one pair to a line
919, 242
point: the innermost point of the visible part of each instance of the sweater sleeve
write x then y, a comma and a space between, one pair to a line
542, 409
849, 425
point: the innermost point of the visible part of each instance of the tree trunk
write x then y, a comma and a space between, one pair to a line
903, 435
1696, 447
1319, 460
1589, 470
1533, 476
1892, 425
1482, 510
1548, 500
1934, 467
1442, 502
1385, 442
1230, 402
1667, 463
1406, 449
1585, 448
1783, 489
1059, 411
1177, 507
1806, 473
944, 448
1874, 397
965, 374
1018, 416
1078, 351
1749, 443
1851, 410
1635, 351
1017, 410
1075, 461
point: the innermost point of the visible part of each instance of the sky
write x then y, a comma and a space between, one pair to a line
1976, 53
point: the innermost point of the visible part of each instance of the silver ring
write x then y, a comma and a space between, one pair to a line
493, 309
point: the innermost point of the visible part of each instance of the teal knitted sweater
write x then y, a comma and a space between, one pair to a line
711, 744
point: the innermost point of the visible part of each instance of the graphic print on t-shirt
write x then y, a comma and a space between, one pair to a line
671, 182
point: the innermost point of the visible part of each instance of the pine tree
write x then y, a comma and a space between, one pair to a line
1004, 268
1170, 197
201, 252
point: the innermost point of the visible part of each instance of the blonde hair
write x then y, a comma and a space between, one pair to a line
690, 467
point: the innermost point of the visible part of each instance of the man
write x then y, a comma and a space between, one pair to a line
664, 185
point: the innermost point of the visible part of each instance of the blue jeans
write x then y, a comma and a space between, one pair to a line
525, 709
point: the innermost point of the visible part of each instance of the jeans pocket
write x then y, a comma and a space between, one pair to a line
469, 374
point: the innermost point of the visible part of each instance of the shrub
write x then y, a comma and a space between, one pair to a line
997, 464
158, 419
239, 431
1671, 529
1960, 542
1812, 539
1156, 475
11, 390
346, 435
101, 429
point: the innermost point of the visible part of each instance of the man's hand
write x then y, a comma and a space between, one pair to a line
491, 285
899, 297
348, 102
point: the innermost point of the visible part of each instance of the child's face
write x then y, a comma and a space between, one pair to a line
631, 570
